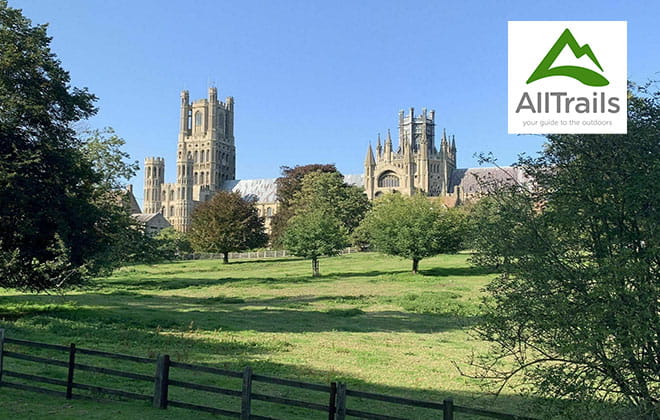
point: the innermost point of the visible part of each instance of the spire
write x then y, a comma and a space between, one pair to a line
389, 137
369, 160
379, 147
453, 142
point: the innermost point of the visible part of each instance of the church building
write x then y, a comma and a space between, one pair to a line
206, 163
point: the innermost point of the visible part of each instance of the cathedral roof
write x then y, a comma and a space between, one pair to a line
468, 179
264, 189
356, 179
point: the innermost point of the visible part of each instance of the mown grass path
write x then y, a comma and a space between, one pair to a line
366, 321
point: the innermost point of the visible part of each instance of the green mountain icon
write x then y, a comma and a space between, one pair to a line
584, 75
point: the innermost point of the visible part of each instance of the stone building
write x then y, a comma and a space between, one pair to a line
418, 165
206, 163
206, 158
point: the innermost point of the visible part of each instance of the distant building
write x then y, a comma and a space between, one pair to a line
206, 163
152, 223
417, 165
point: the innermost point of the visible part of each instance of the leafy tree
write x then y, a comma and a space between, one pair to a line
172, 244
59, 224
103, 149
227, 223
412, 227
313, 233
327, 191
287, 186
325, 210
575, 310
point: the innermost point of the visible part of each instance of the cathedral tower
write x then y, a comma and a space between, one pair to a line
207, 133
183, 204
417, 165
154, 177
206, 157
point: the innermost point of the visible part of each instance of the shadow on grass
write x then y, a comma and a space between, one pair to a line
457, 271
191, 282
181, 314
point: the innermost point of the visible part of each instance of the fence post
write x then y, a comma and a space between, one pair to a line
69, 377
332, 406
341, 401
161, 381
246, 395
448, 409
2, 345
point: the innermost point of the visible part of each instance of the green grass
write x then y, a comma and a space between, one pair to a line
366, 321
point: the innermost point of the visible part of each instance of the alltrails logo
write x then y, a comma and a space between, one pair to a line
567, 90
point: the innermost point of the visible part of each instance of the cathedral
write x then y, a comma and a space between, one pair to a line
206, 163
417, 165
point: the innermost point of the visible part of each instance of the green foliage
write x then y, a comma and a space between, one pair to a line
288, 185
103, 149
325, 211
575, 311
61, 222
172, 244
326, 191
412, 227
227, 223
313, 233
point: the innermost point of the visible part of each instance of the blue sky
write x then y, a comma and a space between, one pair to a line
313, 81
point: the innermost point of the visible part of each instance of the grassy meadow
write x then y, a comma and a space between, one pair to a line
366, 321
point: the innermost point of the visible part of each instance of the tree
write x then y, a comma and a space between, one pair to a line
287, 186
103, 149
325, 211
575, 310
313, 233
327, 191
172, 244
412, 227
227, 223
59, 224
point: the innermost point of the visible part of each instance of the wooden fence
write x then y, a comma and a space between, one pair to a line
272, 253
335, 404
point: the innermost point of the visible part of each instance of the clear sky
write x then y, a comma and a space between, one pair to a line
313, 81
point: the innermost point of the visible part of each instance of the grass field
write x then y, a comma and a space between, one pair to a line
366, 321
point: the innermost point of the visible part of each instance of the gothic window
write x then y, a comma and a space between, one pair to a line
388, 179
195, 156
164, 194
269, 212
171, 197
195, 178
198, 118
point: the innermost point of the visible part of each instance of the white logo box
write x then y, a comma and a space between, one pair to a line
563, 104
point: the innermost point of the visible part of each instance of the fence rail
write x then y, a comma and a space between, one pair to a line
281, 253
337, 394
